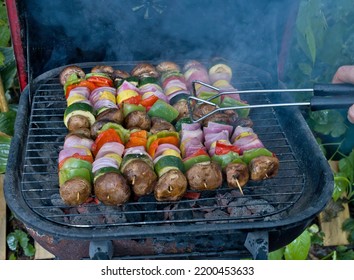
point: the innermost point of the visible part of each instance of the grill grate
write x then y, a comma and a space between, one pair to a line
268, 200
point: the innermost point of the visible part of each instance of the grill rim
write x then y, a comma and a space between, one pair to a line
30, 218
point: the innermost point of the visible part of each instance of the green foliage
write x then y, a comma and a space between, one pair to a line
344, 179
299, 248
18, 240
348, 226
327, 122
323, 41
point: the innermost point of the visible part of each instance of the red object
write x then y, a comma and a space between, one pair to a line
223, 149
200, 152
148, 102
192, 195
100, 81
133, 100
15, 29
164, 140
88, 158
109, 135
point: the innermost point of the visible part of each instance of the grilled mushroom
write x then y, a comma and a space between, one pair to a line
236, 175
143, 70
68, 71
204, 176
227, 117
112, 115
159, 124
167, 66
112, 189
75, 191
171, 186
263, 167
106, 69
96, 127
78, 122
140, 176
137, 119
182, 107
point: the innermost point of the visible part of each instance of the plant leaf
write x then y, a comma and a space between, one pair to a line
12, 241
346, 166
7, 122
341, 185
29, 250
299, 248
276, 255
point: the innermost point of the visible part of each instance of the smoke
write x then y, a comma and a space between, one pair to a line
65, 32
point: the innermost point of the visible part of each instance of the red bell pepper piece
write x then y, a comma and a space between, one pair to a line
222, 148
148, 102
109, 135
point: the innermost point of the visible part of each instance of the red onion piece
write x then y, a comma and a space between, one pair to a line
255, 143
197, 134
74, 140
238, 130
104, 103
84, 91
190, 126
68, 152
213, 137
126, 85
192, 148
104, 162
246, 139
214, 127
150, 87
163, 147
138, 150
175, 83
170, 78
110, 147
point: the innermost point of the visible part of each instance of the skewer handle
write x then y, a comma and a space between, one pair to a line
333, 89
331, 102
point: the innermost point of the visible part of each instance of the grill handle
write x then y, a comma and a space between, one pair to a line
333, 89
331, 102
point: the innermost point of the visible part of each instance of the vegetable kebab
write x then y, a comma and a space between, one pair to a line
262, 163
194, 70
110, 187
163, 148
75, 159
225, 154
201, 172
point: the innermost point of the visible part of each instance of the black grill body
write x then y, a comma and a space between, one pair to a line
220, 224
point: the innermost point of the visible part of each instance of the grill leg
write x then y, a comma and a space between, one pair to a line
257, 244
101, 250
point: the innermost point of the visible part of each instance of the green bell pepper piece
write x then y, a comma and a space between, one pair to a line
67, 174
223, 160
72, 163
189, 162
129, 108
247, 156
206, 95
163, 110
230, 102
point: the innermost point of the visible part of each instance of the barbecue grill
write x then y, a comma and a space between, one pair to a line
219, 224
